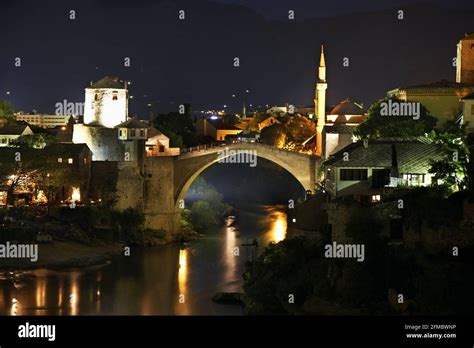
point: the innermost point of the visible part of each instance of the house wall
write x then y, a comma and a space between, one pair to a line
468, 112
222, 133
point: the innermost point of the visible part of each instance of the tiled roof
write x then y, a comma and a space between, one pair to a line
439, 84
413, 155
108, 82
133, 123
13, 130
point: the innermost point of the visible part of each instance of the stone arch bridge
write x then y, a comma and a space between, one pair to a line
167, 179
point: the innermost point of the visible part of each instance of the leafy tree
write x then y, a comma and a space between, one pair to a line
20, 170
6, 108
455, 170
378, 126
231, 120
178, 127
6, 113
39, 140
274, 135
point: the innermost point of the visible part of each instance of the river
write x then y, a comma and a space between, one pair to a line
173, 279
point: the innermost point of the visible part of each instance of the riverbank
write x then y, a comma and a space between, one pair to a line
66, 254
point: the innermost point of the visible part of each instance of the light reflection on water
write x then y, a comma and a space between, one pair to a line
151, 280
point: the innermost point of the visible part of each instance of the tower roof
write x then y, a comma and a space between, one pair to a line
322, 61
108, 82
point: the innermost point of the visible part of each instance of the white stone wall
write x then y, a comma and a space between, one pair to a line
104, 110
103, 142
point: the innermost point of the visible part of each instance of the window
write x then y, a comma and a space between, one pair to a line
69, 160
4, 141
114, 96
353, 174
132, 132
96, 98
142, 133
120, 132
85, 160
380, 178
161, 148
375, 198
60, 160
472, 109
413, 179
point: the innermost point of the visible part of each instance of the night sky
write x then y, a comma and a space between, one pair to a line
176, 61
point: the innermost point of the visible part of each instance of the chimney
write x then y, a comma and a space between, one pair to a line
394, 174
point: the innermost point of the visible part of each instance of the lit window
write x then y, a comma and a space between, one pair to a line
60, 160
375, 198
85, 160
69, 160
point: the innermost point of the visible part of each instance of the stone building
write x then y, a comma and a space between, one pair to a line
443, 99
215, 128
108, 131
8, 134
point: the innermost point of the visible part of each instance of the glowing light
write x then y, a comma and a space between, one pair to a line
278, 225
15, 305
183, 272
76, 194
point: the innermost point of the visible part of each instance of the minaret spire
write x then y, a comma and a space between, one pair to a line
320, 103
322, 61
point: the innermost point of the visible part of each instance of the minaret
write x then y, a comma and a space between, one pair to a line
320, 103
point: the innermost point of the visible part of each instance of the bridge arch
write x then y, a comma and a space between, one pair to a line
190, 165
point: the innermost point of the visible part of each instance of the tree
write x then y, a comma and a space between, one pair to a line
231, 120
21, 170
6, 108
274, 135
455, 170
178, 127
38, 141
6, 113
378, 126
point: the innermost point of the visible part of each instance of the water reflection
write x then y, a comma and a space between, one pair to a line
278, 226
149, 281
231, 254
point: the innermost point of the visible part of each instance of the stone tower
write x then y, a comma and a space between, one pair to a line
465, 60
320, 103
106, 103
